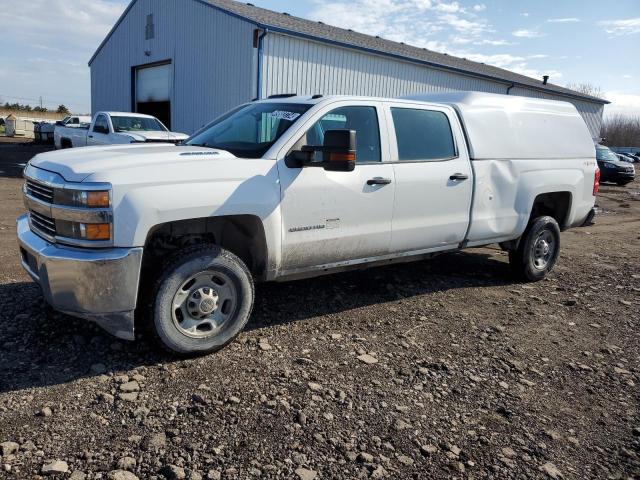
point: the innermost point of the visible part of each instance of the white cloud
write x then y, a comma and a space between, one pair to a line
622, 103
448, 7
628, 26
51, 42
498, 42
411, 21
479, 7
81, 23
538, 55
463, 25
524, 33
563, 20
626, 76
525, 14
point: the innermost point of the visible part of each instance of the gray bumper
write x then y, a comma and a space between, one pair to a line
100, 285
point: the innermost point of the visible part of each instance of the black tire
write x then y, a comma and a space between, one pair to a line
526, 262
166, 326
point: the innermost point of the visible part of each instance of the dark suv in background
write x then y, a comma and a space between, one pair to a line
613, 169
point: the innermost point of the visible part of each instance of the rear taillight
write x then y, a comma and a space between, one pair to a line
596, 182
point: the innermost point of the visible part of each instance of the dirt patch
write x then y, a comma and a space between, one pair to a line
434, 369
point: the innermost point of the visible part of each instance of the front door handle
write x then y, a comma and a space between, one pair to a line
458, 176
90, 136
379, 181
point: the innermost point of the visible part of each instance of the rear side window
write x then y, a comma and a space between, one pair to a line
422, 135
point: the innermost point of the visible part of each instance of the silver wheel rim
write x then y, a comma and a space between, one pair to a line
543, 250
204, 305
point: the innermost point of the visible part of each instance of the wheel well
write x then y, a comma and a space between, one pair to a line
243, 235
65, 142
553, 204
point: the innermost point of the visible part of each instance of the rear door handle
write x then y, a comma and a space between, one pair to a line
379, 181
90, 136
458, 176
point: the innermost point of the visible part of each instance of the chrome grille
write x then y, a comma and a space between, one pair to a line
43, 223
39, 191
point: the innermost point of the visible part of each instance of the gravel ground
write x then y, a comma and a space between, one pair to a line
437, 369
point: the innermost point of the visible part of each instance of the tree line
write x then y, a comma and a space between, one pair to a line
28, 108
621, 131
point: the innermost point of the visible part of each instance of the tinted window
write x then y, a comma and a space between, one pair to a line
422, 135
603, 153
133, 124
101, 125
250, 130
364, 120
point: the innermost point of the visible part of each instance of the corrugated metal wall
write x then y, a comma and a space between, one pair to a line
214, 66
297, 65
212, 54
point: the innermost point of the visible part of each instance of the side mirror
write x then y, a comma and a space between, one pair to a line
338, 152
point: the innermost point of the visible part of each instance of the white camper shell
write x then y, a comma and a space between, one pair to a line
512, 127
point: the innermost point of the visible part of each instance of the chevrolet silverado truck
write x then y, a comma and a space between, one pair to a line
114, 128
169, 239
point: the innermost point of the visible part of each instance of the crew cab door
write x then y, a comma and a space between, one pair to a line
337, 217
433, 175
99, 131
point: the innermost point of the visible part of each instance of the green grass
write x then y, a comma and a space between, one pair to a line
1, 129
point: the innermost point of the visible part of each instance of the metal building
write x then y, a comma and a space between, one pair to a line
188, 61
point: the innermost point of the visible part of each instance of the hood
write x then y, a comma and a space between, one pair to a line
157, 135
77, 164
617, 163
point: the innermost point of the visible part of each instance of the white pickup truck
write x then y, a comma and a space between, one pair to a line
174, 237
112, 128
74, 121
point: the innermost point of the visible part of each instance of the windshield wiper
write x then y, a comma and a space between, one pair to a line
203, 145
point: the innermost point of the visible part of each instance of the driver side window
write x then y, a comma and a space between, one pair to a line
364, 120
101, 125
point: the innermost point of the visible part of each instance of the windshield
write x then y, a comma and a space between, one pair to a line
136, 124
250, 130
605, 154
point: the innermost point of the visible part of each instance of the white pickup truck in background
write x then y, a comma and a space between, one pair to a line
173, 237
112, 128
74, 120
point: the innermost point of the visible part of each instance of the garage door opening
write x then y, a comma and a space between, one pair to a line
153, 91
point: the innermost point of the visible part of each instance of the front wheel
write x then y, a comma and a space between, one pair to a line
538, 250
202, 301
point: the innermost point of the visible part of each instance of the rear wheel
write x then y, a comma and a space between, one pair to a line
202, 301
537, 251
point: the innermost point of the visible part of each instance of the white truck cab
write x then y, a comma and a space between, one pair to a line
113, 128
173, 237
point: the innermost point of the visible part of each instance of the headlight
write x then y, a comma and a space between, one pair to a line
609, 165
83, 231
82, 198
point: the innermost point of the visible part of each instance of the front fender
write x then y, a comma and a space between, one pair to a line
140, 208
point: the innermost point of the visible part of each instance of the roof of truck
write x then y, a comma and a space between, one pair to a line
289, 24
126, 114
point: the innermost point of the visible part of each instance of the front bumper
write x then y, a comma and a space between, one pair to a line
100, 285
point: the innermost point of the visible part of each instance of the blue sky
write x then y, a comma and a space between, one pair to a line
47, 43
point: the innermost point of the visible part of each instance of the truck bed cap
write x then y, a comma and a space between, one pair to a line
510, 127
